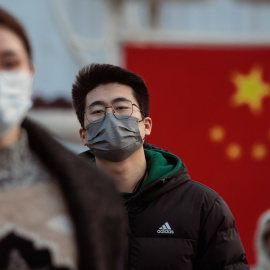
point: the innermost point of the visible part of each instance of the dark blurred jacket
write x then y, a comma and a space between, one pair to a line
93, 203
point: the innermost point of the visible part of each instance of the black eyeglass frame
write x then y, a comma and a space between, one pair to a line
106, 107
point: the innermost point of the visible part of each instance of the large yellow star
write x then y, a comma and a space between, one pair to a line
250, 90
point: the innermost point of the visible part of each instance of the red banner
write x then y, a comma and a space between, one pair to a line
210, 105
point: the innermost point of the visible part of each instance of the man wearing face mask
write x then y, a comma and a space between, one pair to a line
174, 222
51, 216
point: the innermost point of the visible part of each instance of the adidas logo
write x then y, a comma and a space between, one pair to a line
166, 228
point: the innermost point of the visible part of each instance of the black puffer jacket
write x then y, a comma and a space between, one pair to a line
177, 223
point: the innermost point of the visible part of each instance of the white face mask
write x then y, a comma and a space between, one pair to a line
15, 98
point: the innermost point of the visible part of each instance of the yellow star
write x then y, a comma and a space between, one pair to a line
258, 151
217, 133
250, 90
234, 151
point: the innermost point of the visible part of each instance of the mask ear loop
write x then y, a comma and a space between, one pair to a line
143, 117
83, 115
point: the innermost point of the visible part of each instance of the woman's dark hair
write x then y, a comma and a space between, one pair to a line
94, 75
8, 21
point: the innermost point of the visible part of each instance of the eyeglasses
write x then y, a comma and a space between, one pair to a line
120, 108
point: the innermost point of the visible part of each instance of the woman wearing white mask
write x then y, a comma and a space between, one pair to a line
55, 211
16, 74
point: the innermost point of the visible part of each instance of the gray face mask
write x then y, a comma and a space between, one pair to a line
114, 139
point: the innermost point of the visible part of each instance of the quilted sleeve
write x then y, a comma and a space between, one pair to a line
220, 246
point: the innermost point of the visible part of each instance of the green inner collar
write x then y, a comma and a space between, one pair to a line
160, 164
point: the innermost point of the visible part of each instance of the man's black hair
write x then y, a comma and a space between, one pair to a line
94, 75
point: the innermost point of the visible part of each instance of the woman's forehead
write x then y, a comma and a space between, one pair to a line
10, 43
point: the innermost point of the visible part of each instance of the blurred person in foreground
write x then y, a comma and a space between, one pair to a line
174, 222
56, 212
263, 242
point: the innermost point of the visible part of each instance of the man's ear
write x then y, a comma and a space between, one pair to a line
148, 125
83, 135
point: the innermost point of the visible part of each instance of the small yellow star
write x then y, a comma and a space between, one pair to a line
250, 90
217, 133
258, 151
234, 151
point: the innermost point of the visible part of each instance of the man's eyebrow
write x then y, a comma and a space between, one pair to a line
99, 102
120, 99
95, 103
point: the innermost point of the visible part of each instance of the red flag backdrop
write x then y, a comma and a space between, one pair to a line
211, 106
